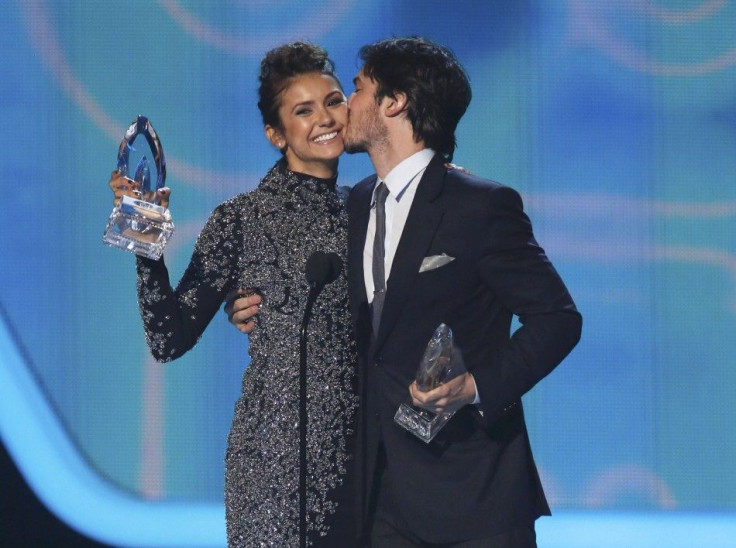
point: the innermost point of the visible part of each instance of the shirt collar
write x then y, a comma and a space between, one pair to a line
399, 178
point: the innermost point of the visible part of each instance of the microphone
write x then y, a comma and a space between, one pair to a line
322, 268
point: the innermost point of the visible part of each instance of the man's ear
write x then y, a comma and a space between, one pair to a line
393, 106
276, 137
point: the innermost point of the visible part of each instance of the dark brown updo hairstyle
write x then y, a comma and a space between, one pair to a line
281, 64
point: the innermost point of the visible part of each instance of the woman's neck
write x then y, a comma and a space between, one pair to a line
327, 170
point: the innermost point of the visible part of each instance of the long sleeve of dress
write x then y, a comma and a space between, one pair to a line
174, 320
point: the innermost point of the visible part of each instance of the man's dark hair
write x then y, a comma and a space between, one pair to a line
435, 83
279, 66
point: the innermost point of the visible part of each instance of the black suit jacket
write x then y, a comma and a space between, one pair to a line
478, 477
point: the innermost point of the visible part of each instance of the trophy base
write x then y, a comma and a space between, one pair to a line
422, 423
139, 227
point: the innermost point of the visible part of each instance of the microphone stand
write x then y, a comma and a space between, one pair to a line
322, 269
314, 290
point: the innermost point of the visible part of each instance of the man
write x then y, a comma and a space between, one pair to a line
475, 484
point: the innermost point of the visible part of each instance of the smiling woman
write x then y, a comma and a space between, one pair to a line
312, 117
262, 239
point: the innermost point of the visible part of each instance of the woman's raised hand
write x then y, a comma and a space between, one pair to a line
122, 186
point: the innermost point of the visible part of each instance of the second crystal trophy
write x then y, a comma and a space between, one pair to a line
141, 225
442, 361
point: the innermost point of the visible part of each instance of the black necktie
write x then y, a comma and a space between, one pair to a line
379, 272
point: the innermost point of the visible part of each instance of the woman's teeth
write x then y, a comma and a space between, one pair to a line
326, 137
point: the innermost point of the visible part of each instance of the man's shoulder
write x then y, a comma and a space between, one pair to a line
465, 179
471, 192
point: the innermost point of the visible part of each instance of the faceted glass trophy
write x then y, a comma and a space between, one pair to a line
442, 361
141, 225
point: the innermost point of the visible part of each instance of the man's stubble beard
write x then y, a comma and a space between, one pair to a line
373, 133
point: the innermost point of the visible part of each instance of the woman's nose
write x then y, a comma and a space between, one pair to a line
326, 118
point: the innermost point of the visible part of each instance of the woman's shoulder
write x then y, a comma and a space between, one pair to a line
232, 211
237, 202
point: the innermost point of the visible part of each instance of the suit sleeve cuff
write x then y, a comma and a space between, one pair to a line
476, 401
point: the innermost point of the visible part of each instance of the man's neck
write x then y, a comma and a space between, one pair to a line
389, 155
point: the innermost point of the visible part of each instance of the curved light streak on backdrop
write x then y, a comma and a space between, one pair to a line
44, 38
318, 23
591, 24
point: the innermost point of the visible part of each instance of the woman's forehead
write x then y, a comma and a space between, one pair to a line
312, 84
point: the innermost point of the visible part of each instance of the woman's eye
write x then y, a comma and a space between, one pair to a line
302, 111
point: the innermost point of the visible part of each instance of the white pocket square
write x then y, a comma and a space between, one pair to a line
435, 261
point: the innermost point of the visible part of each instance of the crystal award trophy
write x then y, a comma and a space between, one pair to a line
442, 361
140, 225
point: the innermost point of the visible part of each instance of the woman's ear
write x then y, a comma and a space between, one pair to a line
276, 137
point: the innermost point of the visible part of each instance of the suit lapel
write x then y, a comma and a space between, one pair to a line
421, 224
359, 211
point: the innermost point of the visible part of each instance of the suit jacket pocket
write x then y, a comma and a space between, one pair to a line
434, 262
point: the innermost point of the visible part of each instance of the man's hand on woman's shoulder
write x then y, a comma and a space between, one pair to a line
241, 307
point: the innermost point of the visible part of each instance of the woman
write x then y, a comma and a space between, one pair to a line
262, 239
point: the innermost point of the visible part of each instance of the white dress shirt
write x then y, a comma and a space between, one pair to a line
402, 182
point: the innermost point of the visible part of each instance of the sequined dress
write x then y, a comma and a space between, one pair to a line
262, 239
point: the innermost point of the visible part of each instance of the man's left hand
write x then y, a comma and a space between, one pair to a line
447, 397
241, 307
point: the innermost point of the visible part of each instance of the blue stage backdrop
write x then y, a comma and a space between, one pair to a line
616, 120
